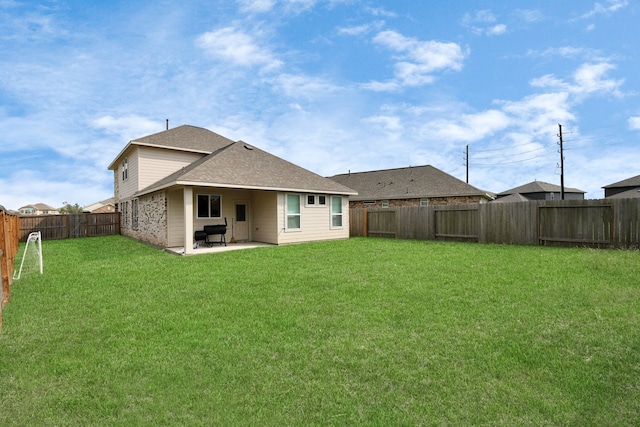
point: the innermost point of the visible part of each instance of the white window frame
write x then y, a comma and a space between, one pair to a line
337, 201
125, 169
424, 202
209, 197
288, 214
384, 203
315, 201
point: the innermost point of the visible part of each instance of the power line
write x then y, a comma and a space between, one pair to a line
507, 146
513, 155
509, 163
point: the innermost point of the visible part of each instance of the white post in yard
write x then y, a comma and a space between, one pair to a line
188, 220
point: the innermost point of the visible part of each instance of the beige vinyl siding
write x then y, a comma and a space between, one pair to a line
264, 222
129, 186
315, 222
157, 163
175, 218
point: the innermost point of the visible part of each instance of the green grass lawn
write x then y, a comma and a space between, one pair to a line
359, 332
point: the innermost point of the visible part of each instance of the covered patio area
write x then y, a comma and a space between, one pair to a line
203, 249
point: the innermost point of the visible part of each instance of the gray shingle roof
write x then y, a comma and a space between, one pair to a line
405, 183
183, 138
186, 138
240, 165
629, 182
516, 197
539, 187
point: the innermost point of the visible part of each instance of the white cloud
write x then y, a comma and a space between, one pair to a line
301, 86
536, 114
529, 15
634, 122
417, 60
467, 127
497, 30
481, 16
263, 6
565, 52
391, 125
589, 78
483, 22
605, 9
388, 86
256, 6
379, 11
126, 127
237, 47
361, 29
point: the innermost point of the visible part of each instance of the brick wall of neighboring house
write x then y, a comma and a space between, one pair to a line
433, 201
145, 218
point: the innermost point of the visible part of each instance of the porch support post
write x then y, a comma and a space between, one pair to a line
188, 220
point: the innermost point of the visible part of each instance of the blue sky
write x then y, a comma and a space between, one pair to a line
333, 86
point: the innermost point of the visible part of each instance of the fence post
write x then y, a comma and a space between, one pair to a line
364, 222
9, 240
5, 273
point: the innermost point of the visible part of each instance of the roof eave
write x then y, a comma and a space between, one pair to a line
152, 189
422, 196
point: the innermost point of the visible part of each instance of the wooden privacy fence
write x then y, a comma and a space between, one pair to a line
610, 223
70, 226
9, 240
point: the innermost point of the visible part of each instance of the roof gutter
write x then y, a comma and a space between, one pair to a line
240, 187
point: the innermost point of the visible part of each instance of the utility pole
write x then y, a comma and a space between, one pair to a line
466, 157
561, 163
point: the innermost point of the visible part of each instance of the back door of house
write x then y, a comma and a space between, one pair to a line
241, 222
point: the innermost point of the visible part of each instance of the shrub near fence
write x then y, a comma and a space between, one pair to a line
610, 223
70, 226
9, 240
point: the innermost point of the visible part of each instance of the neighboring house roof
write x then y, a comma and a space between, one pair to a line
539, 187
406, 183
240, 165
516, 197
183, 138
40, 207
98, 205
629, 182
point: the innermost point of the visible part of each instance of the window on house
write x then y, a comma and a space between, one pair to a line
125, 169
134, 214
314, 200
336, 211
209, 206
424, 202
385, 203
125, 214
293, 212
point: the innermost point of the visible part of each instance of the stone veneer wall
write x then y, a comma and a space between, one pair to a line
151, 224
433, 201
